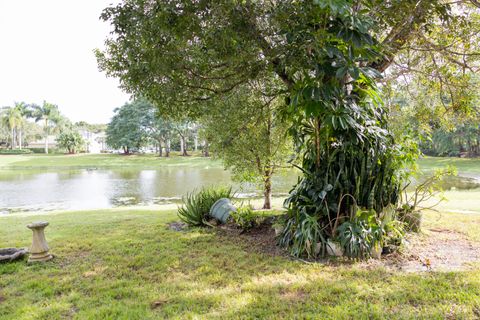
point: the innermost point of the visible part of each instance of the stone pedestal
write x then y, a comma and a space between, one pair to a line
39, 249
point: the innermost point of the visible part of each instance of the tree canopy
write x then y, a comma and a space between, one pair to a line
124, 130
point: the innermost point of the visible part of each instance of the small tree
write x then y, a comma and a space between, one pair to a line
248, 135
71, 141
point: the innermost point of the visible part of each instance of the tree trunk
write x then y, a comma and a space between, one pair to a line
206, 152
46, 136
20, 138
267, 191
160, 153
12, 144
196, 143
183, 146
167, 148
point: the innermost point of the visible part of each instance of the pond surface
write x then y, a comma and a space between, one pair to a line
82, 189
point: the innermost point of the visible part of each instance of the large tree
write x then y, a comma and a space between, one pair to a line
125, 130
157, 128
328, 56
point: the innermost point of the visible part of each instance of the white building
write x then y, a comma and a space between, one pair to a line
94, 142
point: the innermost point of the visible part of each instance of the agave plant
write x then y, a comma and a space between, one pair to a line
196, 205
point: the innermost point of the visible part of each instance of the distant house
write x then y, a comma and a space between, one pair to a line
94, 142
52, 142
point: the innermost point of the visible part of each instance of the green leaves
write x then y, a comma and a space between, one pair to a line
70, 140
336, 7
196, 205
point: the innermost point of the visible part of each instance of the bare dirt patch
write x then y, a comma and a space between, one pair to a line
177, 226
292, 295
439, 250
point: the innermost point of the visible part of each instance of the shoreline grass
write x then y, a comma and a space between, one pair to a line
42, 161
464, 165
127, 264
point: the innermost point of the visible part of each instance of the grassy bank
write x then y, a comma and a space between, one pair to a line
471, 166
464, 165
42, 161
126, 264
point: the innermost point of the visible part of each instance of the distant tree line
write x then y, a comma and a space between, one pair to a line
22, 124
137, 125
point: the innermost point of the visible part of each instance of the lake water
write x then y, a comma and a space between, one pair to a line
79, 189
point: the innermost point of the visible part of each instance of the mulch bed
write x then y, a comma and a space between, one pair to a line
260, 239
434, 250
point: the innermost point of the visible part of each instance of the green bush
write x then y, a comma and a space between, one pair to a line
15, 151
196, 205
359, 235
245, 218
366, 231
42, 150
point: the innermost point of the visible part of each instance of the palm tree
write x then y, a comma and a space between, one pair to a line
24, 112
13, 119
49, 114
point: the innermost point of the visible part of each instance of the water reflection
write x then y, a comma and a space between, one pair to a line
88, 189
80, 189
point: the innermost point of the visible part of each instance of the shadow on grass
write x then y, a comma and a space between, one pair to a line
129, 265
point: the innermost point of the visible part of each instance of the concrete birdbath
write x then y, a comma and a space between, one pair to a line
39, 249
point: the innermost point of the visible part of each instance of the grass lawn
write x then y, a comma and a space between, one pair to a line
42, 161
126, 264
464, 165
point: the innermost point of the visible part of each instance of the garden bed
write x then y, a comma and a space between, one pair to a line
434, 249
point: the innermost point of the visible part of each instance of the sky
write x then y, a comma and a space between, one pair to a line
46, 53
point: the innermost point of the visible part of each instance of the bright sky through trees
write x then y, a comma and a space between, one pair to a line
47, 54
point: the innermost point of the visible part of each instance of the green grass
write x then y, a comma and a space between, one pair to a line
30, 161
464, 165
100, 160
114, 264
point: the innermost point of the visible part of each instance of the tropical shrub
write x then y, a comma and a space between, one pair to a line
244, 218
196, 205
349, 158
42, 150
367, 231
70, 140
360, 235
